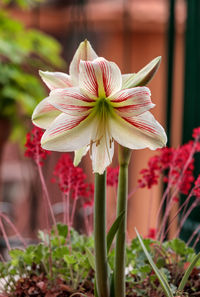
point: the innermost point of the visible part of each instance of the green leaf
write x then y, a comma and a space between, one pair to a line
145, 269
188, 272
90, 258
113, 230
62, 230
69, 259
179, 247
161, 277
60, 252
16, 253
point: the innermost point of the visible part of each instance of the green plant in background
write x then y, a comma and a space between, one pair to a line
64, 261
163, 275
22, 3
22, 51
58, 255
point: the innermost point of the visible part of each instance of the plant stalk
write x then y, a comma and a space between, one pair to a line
46, 193
120, 249
101, 267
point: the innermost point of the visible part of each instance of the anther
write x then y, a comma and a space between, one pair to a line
98, 142
91, 143
110, 142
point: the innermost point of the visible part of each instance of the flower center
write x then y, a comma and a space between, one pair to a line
103, 106
102, 109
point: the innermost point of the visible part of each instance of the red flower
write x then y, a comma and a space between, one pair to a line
176, 166
150, 175
152, 233
196, 190
112, 176
196, 136
71, 179
89, 199
33, 147
196, 133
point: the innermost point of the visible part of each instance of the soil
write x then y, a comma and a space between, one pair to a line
40, 286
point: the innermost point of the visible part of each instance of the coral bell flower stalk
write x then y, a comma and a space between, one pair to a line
35, 152
98, 112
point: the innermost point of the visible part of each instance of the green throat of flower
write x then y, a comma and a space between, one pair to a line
102, 110
103, 105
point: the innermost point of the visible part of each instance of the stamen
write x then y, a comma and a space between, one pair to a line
111, 141
91, 143
97, 142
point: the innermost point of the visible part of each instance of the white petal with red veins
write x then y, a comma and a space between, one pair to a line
138, 132
56, 80
84, 52
132, 102
71, 101
99, 78
44, 114
68, 133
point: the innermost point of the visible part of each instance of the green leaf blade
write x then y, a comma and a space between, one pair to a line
161, 278
113, 230
90, 258
188, 272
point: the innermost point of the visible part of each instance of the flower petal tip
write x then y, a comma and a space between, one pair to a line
43, 74
79, 154
144, 76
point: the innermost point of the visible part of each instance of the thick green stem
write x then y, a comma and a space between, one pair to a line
120, 250
101, 266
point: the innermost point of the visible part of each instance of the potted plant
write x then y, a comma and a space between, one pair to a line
86, 111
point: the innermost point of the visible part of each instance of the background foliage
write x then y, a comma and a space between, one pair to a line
22, 52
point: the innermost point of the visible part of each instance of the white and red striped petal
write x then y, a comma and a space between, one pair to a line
68, 133
132, 102
71, 101
84, 52
102, 154
99, 78
56, 80
138, 132
44, 114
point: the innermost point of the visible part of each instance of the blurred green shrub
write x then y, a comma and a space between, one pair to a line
22, 3
22, 52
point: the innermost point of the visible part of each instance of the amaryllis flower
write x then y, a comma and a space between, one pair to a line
99, 111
